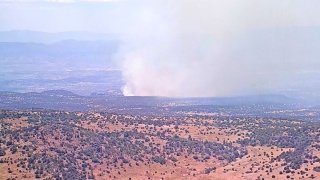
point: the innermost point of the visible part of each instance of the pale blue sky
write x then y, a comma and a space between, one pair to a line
67, 16
119, 15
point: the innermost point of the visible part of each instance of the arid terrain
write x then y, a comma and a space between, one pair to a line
48, 144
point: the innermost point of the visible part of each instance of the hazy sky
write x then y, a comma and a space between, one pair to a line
63, 15
193, 47
116, 15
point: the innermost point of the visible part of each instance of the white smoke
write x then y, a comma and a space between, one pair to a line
218, 48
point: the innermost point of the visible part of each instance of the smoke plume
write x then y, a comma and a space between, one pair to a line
219, 48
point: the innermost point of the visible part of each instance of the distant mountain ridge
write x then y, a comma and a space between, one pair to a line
60, 48
68, 54
46, 37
